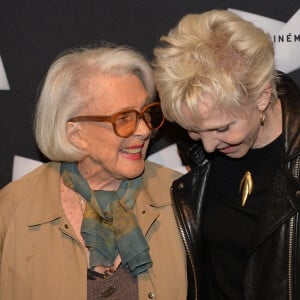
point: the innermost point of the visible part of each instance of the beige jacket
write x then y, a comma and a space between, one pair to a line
41, 257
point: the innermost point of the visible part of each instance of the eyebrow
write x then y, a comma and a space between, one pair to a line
127, 108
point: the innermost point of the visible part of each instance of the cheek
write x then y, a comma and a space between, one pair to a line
194, 135
234, 137
245, 134
104, 144
145, 149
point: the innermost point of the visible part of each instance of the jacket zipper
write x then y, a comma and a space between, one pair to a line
295, 171
290, 257
189, 254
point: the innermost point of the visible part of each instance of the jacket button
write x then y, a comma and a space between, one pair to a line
151, 295
298, 194
180, 185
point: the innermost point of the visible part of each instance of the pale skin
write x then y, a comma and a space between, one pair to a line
235, 134
110, 158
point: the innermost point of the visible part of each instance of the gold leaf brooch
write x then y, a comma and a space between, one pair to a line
246, 187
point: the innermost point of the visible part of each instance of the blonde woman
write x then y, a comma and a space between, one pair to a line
239, 206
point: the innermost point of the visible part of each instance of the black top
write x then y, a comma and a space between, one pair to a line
229, 227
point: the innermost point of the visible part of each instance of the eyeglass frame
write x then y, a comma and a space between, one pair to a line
112, 119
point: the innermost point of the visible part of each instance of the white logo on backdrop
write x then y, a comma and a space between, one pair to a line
285, 36
286, 39
4, 85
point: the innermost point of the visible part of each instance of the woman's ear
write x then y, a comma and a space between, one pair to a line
74, 135
265, 98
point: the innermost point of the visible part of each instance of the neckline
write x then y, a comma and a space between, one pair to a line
266, 151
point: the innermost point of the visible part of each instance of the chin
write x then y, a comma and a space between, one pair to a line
133, 172
238, 154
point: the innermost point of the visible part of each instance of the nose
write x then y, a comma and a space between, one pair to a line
209, 141
209, 144
142, 129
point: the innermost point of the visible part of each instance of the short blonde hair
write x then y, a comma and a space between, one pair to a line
62, 97
216, 53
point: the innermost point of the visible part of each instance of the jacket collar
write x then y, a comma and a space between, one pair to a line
153, 194
289, 94
156, 184
45, 204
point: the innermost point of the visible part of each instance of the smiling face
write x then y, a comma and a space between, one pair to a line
232, 134
111, 158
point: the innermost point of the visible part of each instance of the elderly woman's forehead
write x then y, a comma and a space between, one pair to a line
124, 90
96, 78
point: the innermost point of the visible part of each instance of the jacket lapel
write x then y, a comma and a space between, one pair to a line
45, 205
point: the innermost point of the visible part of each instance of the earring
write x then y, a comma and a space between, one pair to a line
262, 118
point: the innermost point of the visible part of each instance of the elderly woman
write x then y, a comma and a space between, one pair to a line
239, 206
96, 222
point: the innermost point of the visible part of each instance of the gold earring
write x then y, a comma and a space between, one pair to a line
262, 118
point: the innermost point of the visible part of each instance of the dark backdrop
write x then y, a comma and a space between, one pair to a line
33, 33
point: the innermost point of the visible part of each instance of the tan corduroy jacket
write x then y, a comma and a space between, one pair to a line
41, 257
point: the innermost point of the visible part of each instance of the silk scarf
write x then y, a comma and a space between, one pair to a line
109, 226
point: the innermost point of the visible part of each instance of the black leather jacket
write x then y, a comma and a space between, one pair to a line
273, 268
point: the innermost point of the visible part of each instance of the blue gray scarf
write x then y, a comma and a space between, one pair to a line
109, 226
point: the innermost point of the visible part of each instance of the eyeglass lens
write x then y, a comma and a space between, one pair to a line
127, 122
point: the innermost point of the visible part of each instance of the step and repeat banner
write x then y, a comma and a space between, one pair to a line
33, 33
